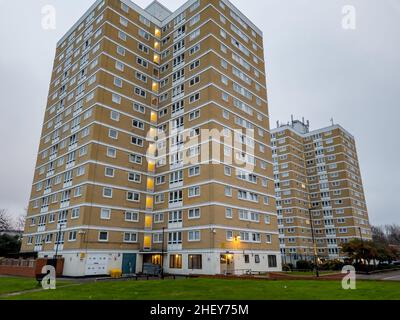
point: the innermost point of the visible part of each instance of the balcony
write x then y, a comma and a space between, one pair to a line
174, 247
174, 205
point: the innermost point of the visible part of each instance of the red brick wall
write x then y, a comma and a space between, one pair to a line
17, 271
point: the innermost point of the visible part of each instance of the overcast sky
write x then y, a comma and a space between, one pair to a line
315, 69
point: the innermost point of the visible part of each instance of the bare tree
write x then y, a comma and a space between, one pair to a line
379, 235
20, 222
5, 220
393, 234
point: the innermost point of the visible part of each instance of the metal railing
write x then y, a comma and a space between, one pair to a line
17, 262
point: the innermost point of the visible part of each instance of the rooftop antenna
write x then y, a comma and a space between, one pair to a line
333, 123
292, 118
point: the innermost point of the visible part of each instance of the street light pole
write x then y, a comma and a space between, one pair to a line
162, 253
312, 233
314, 244
58, 240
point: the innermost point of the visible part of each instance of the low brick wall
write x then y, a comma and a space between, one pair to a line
283, 276
17, 271
17, 267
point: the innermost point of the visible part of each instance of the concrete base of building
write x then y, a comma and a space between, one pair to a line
200, 262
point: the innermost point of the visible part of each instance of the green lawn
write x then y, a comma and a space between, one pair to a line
9, 285
309, 273
213, 289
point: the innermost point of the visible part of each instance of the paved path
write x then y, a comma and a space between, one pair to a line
12, 294
386, 276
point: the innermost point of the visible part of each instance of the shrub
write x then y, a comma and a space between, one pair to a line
287, 267
304, 265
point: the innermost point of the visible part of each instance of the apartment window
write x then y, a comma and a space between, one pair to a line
111, 152
175, 238
228, 191
194, 115
223, 33
103, 236
194, 49
194, 65
131, 216
268, 238
195, 97
194, 236
120, 51
194, 213
141, 77
134, 177
134, 158
113, 134
74, 215
142, 62
144, 34
145, 21
118, 82
195, 262
114, 115
137, 141
130, 237
272, 262
122, 35
194, 171
158, 238
140, 92
133, 196
119, 66
175, 216
229, 235
78, 192
224, 49
194, 81
228, 171
139, 108
72, 236
116, 98
175, 261
229, 213
160, 180
107, 192
194, 192
143, 48
105, 214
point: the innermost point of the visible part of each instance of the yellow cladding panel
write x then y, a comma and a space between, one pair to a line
151, 166
147, 242
152, 132
155, 86
156, 45
150, 183
149, 202
152, 149
153, 116
148, 222
157, 32
156, 59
